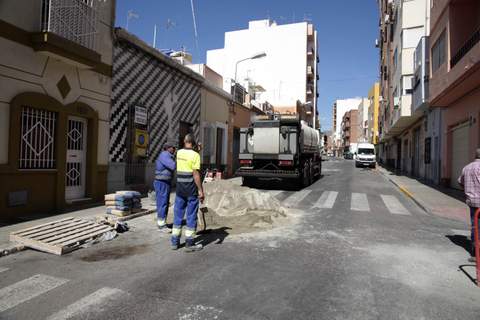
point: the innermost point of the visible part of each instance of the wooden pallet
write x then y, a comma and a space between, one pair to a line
61, 236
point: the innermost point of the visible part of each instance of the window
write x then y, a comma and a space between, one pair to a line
438, 52
37, 141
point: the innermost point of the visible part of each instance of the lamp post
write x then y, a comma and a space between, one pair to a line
256, 56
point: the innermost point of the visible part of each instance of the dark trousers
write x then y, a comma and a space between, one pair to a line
472, 233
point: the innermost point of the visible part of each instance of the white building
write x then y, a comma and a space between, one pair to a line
339, 109
287, 73
363, 119
408, 21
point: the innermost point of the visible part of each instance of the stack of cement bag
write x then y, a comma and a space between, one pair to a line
123, 203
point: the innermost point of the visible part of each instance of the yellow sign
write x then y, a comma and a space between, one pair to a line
141, 138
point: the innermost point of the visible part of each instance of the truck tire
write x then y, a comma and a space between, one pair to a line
305, 177
248, 181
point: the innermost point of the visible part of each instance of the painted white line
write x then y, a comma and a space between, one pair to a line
86, 304
359, 202
295, 198
461, 232
326, 200
27, 289
330, 170
3, 269
393, 205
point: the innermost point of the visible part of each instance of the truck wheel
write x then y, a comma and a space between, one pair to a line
306, 175
311, 173
248, 181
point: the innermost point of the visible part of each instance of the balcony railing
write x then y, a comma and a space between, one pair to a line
469, 44
75, 20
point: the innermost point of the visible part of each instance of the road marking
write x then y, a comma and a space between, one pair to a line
330, 170
3, 269
326, 200
460, 232
295, 198
27, 289
86, 304
359, 202
393, 205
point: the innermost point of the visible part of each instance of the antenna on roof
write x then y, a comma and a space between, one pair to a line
194, 24
130, 15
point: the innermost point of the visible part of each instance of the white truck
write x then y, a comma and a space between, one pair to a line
365, 155
279, 147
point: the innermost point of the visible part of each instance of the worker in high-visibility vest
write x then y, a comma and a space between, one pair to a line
164, 169
189, 193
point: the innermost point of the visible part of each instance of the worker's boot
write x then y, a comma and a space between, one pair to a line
175, 243
190, 246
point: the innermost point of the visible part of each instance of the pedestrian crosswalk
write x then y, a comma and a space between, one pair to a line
328, 199
26, 290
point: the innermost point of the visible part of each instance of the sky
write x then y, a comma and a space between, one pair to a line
347, 30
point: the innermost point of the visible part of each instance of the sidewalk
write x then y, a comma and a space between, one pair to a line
7, 247
442, 202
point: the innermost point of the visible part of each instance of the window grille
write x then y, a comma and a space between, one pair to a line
75, 20
37, 143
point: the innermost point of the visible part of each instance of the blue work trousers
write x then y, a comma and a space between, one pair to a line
162, 193
185, 206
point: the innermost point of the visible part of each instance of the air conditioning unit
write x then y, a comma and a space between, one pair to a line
377, 43
387, 18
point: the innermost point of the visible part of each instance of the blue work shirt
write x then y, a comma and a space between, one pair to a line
165, 167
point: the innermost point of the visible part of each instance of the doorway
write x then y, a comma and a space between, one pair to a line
219, 148
76, 158
184, 128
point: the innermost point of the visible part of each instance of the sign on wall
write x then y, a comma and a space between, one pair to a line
140, 115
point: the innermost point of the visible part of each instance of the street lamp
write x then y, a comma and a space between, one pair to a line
256, 56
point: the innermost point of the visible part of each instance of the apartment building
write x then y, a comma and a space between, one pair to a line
373, 113
363, 120
274, 63
339, 108
55, 80
350, 129
402, 25
455, 81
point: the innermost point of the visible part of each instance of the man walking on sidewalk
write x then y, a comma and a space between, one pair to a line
189, 192
470, 180
164, 169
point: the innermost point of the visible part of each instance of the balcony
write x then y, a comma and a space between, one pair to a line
474, 39
421, 77
68, 31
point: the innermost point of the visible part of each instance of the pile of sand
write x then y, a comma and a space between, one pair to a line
240, 208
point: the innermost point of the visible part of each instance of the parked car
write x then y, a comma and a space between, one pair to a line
348, 155
365, 155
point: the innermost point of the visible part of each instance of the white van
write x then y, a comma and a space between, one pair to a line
365, 155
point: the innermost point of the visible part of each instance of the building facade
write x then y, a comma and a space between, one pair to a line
154, 99
454, 85
350, 129
402, 128
363, 120
270, 78
373, 115
55, 80
340, 107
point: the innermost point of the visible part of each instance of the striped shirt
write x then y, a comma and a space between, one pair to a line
470, 180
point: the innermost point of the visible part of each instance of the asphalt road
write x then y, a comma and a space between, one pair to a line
356, 248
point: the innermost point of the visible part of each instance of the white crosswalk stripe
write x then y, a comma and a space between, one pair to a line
27, 289
393, 205
326, 200
3, 269
359, 202
86, 304
295, 198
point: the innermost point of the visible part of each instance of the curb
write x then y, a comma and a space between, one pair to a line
406, 192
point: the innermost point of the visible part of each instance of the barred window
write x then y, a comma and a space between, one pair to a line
37, 143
